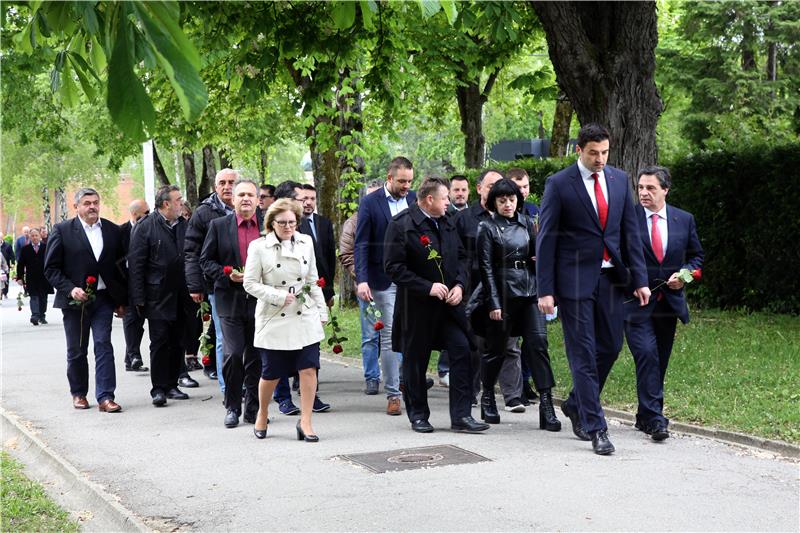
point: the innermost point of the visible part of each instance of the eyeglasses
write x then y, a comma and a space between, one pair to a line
285, 223
265, 196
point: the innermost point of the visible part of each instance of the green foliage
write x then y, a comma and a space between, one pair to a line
742, 203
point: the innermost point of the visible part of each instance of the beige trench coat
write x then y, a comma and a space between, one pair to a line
273, 269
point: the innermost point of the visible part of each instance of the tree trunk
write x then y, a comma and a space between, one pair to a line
61, 198
190, 176
604, 58
209, 164
748, 47
470, 108
224, 159
263, 167
161, 174
559, 138
46, 198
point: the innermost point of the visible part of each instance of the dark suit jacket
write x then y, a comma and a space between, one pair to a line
125, 233
373, 219
69, 260
8, 253
30, 269
569, 247
221, 248
417, 315
156, 277
324, 250
683, 251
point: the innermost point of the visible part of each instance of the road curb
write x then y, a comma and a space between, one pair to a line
71, 488
784, 449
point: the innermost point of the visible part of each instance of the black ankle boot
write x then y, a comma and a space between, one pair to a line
547, 414
489, 412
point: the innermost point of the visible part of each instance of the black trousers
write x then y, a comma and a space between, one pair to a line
415, 367
166, 352
241, 363
525, 314
133, 328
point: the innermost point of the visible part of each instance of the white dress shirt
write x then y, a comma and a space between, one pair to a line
588, 182
396, 205
662, 226
94, 233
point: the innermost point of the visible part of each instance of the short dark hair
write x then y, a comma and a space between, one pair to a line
592, 133
162, 194
517, 174
661, 173
485, 172
267, 187
431, 184
286, 189
458, 177
504, 187
308, 187
398, 163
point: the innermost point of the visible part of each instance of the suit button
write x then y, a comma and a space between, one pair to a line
299, 279
283, 314
299, 313
278, 265
305, 262
283, 283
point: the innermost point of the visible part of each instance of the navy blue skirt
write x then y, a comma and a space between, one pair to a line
276, 364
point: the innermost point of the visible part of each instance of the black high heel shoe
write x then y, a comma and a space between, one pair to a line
302, 436
260, 433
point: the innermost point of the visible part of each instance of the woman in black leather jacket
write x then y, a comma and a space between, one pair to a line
506, 247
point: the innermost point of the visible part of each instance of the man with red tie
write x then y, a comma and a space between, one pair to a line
670, 243
587, 226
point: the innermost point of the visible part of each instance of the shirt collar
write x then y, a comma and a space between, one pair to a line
246, 221
586, 174
86, 226
389, 195
662, 213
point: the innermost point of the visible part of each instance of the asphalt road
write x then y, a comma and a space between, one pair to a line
178, 467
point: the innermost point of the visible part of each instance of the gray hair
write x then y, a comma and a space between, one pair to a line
226, 171
85, 191
661, 173
162, 195
241, 180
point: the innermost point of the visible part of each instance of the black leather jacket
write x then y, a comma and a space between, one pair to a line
505, 248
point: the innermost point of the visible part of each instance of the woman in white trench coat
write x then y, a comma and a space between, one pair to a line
281, 272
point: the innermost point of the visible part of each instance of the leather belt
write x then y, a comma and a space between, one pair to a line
518, 264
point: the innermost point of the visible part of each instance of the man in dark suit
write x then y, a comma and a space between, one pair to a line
158, 289
372, 284
321, 230
670, 243
429, 313
226, 244
133, 323
587, 249
30, 274
22, 241
81, 250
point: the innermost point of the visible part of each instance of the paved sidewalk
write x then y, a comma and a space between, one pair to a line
179, 467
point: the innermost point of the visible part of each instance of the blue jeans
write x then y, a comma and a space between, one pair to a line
218, 347
97, 318
370, 344
391, 361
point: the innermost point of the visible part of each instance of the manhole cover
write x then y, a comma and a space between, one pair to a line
413, 458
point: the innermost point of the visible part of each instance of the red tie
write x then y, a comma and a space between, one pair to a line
602, 209
655, 240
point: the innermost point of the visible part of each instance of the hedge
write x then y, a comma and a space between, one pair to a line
538, 170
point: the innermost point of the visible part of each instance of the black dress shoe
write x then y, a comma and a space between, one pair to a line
428, 382
301, 435
249, 419
42, 321
659, 432
577, 429
34, 321
422, 426
176, 394
211, 374
601, 444
159, 399
188, 382
231, 419
468, 425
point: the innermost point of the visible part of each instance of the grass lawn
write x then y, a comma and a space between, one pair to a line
25, 506
728, 369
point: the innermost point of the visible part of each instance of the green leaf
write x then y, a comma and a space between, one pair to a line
344, 14
450, 10
89, 17
69, 91
86, 84
368, 9
128, 103
165, 15
429, 7
97, 55
177, 57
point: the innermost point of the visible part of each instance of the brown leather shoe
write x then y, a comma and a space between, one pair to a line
393, 408
80, 402
109, 406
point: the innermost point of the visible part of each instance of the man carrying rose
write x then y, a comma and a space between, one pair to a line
670, 243
424, 257
85, 262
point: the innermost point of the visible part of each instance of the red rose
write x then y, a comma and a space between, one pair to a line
697, 274
91, 280
425, 240
19, 309
206, 317
227, 269
378, 325
321, 283
206, 360
337, 348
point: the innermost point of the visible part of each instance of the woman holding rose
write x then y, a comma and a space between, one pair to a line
281, 272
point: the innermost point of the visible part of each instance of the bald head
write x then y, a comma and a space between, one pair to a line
138, 209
